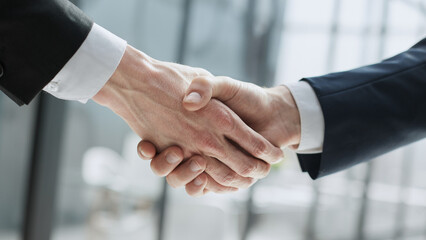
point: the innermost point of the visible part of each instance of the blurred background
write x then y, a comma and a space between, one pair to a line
70, 170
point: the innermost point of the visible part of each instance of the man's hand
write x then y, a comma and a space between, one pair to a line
148, 95
271, 112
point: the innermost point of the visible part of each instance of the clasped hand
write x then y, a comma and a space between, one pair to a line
270, 112
222, 153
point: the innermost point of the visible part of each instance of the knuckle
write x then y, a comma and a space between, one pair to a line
208, 143
229, 179
202, 72
248, 170
200, 161
249, 182
235, 87
266, 168
224, 120
260, 148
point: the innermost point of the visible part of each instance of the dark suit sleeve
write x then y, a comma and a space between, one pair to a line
370, 111
37, 38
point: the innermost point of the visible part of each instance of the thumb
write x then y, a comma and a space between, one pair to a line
198, 93
203, 89
146, 150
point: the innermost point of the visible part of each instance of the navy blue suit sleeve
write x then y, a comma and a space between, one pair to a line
370, 111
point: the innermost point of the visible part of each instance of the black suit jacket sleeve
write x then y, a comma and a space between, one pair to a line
37, 38
370, 111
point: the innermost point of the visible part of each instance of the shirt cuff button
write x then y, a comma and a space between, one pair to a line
53, 87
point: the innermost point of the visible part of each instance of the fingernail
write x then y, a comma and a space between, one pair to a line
194, 166
193, 97
172, 158
198, 181
142, 153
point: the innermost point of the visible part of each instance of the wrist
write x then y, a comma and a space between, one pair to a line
287, 116
112, 93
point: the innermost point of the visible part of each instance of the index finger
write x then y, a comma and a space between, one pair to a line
230, 125
254, 143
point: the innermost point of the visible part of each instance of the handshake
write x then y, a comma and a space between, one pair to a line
209, 134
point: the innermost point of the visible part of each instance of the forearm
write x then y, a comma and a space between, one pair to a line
370, 110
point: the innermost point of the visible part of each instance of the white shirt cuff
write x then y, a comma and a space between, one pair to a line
311, 117
90, 67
